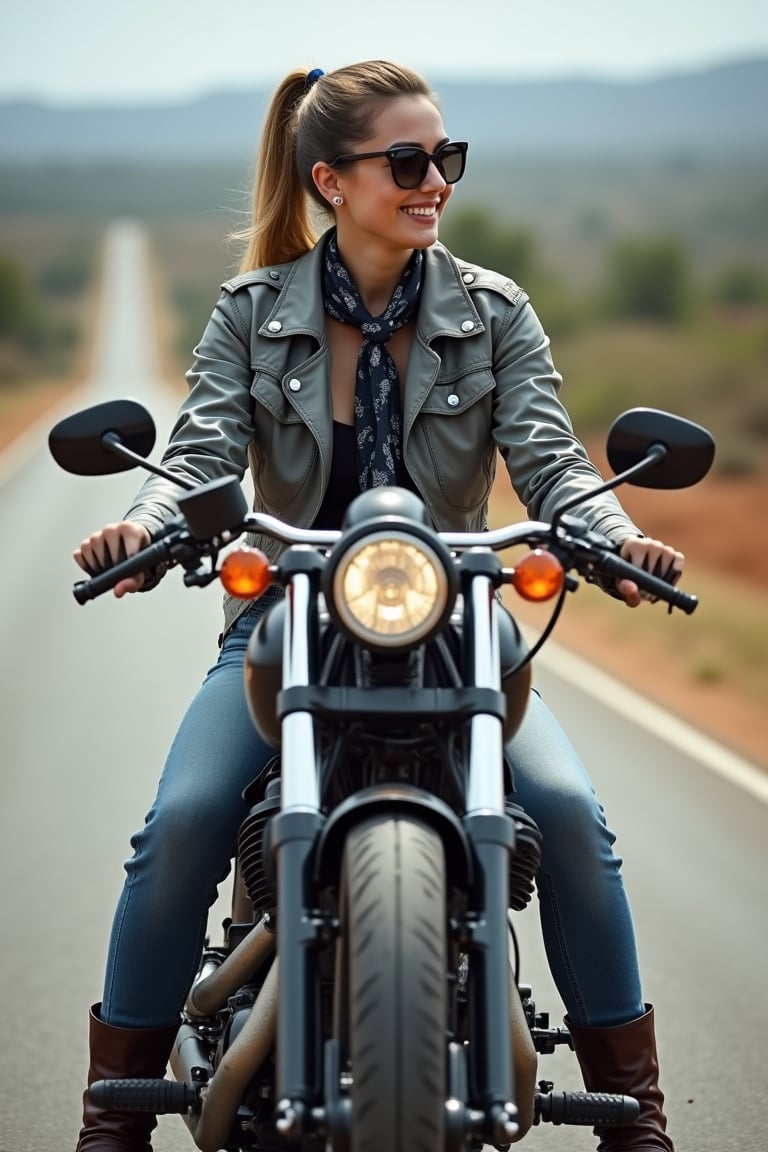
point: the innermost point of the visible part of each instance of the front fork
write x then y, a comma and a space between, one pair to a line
490, 834
490, 1058
491, 837
295, 832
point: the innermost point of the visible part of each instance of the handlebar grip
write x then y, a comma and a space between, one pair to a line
621, 569
148, 557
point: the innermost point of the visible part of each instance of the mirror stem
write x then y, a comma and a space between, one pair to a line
112, 443
656, 453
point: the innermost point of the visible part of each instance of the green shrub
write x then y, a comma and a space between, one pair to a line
68, 275
741, 284
472, 234
648, 279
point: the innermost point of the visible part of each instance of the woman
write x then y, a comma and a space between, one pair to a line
367, 356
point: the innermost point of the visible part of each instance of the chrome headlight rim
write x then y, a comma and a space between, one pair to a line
404, 532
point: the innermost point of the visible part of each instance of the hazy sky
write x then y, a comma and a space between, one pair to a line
131, 51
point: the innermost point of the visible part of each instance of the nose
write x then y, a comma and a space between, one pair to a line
433, 178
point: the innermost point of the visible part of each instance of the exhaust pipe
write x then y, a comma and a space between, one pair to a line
213, 989
211, 1127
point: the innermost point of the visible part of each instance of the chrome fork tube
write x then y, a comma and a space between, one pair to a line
295, 830
485, 786
299, 778
490, 1058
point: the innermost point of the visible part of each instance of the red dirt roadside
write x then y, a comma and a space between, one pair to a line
20, 410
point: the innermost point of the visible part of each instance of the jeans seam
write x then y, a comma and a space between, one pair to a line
547, 889
137, 845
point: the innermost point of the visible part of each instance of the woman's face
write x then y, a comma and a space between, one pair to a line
375, 208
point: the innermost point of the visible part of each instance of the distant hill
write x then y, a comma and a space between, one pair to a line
721, 108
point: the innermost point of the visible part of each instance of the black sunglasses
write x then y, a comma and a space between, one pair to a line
409, 164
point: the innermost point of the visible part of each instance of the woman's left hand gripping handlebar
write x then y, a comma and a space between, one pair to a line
652, 556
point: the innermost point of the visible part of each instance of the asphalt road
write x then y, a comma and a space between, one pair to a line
91, 697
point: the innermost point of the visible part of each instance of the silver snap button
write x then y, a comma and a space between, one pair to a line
468, 325
274, 275
294, 385
453, 399
274, 326
468, 278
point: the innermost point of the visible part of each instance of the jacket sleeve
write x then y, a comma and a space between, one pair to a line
546, 462
214, 425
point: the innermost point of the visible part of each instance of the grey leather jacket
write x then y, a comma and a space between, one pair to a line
480, 382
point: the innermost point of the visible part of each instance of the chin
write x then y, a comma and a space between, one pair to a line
425, 239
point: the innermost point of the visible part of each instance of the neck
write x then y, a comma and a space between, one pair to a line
375, 271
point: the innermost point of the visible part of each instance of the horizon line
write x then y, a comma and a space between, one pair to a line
574, 74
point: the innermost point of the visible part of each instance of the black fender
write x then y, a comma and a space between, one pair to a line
400, 799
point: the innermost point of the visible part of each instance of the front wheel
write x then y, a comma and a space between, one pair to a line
391, 1000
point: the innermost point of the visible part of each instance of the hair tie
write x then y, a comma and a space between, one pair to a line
312, 79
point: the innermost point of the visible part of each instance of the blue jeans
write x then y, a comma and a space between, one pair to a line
188, 840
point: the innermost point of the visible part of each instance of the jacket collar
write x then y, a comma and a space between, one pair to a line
446, 308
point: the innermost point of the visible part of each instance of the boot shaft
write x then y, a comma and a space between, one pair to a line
119, 1054
624, 1060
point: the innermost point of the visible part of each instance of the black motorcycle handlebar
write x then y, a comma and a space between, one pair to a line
172, 543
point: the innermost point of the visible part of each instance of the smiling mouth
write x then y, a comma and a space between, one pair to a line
425, 212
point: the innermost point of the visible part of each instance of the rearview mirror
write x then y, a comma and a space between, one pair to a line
690, 449
80, 443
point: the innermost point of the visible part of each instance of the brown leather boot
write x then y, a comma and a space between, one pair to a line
117, 1054
623, 1059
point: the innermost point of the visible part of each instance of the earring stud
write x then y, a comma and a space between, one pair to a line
338, 200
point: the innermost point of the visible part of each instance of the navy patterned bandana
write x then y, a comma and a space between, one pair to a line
378, 423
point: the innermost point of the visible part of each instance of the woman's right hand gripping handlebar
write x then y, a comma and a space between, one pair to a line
111, 545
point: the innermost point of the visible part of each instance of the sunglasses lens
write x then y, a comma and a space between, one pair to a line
450, 163
409, 166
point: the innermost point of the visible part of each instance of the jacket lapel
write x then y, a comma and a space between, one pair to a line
446, 309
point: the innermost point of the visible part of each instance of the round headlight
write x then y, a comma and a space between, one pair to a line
390, 589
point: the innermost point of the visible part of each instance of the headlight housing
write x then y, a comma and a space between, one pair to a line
390, 587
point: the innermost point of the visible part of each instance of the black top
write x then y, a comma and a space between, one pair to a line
343, 484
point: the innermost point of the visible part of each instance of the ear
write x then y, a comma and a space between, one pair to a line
326, 180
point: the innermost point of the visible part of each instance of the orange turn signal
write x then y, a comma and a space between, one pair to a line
245, 573
538, 576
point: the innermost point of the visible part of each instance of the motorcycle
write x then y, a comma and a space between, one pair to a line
366, 994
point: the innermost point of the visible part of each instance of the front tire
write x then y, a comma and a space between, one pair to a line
391, 998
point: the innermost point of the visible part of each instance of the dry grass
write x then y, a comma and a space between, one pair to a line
712, 370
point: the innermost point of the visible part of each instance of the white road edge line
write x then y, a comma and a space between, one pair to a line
630, 704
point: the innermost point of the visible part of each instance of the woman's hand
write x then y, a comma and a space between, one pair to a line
657, 558
109, 546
